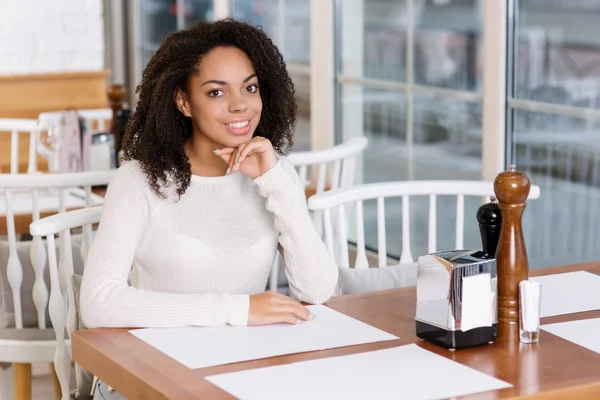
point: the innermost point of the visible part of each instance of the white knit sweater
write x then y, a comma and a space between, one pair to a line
195, 261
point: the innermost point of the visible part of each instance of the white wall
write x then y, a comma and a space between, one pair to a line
48, 36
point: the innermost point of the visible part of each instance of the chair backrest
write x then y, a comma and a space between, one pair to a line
332, 168
18, 127
340, 200
322, 170
64, 317
49, 193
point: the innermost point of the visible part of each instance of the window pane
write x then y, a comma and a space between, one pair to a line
287, 22
197, 10
259, 12
447, 44
557, 60
562, 156
557, 52
446, 135
158, 20
447, 38
297, 31
447, 139
297, 51
373, 39
446, 145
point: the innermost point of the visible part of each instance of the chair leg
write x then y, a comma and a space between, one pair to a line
57, 390
22, 381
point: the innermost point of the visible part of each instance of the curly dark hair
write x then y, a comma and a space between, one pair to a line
157, 131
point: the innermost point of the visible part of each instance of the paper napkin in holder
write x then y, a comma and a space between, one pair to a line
456, 298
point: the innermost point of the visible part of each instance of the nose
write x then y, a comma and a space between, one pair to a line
238, 104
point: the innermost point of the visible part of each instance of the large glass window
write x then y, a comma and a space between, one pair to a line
554, 126
409, 80
408, 76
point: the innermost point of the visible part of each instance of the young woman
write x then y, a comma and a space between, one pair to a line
193, 218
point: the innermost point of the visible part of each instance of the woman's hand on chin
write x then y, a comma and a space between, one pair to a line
252, 158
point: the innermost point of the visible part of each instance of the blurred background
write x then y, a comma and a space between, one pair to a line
420, 78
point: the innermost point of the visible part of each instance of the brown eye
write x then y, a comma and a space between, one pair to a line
215, 93
252, 88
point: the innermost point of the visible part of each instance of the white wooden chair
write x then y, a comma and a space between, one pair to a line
25, 335
333, 168
17, 127
336, 202
63, 313
322, 170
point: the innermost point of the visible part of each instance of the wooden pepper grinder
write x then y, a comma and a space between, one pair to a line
511, 188
116, 99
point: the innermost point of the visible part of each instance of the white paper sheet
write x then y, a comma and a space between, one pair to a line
206, 347
585, 332
569, 293
406, 372
477, 302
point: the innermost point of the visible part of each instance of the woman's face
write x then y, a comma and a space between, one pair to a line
224, 101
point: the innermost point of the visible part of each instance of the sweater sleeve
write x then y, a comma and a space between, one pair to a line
310, 269
107, 299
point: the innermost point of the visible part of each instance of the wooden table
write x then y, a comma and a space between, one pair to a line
552, 369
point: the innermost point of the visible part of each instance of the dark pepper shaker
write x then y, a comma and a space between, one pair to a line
490, 224
123, 116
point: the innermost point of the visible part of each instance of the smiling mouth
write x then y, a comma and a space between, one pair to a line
238, 125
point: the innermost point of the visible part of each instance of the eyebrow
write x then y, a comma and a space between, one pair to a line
225, 83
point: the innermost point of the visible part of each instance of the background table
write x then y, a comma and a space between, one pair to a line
552, 369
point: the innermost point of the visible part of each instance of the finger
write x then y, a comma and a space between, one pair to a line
253, 147
296, 309
230, 168
238, 158
225, 157
286, 318
283, 299
233, 163
225, 153
224, 150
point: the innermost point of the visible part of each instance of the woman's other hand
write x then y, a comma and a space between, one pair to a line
272, 308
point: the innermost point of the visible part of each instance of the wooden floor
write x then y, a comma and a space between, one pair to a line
42, 387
